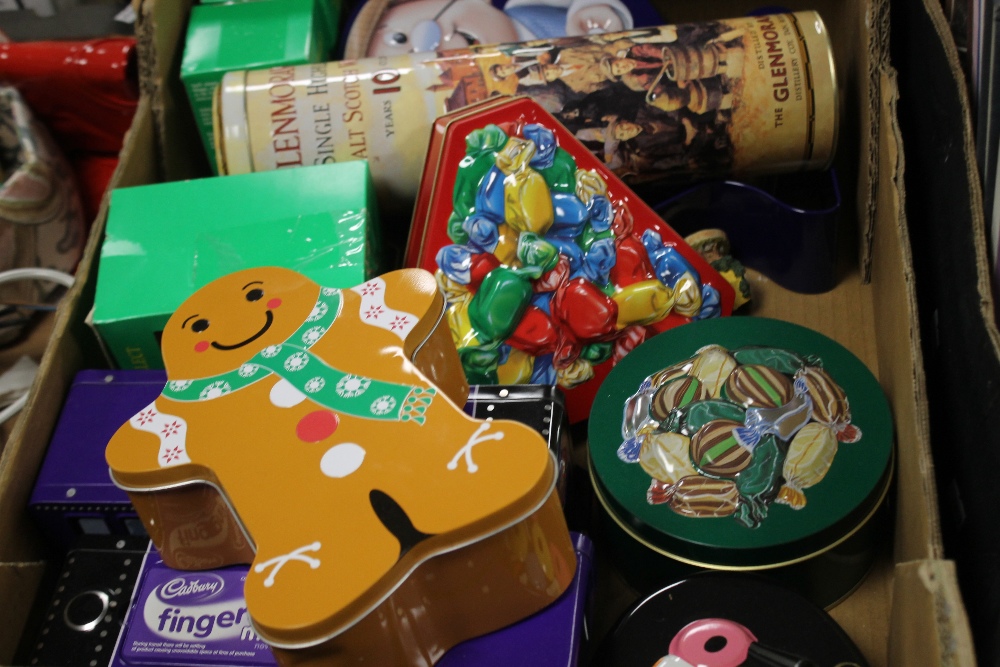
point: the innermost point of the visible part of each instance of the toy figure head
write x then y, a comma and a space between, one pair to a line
436, 25
223, 325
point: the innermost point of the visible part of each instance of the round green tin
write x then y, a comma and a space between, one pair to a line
742, 443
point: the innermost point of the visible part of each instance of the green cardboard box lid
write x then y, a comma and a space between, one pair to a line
166, 240
250, 35
258, 33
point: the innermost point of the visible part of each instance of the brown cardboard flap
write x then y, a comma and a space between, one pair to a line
18, 581
928, 618
71, 344
900, 360
160, 30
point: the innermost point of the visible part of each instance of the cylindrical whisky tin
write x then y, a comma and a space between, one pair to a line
723, 619
737, 96
742, 444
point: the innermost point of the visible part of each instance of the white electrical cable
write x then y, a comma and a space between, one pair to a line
13, 408
37, 273
30, 273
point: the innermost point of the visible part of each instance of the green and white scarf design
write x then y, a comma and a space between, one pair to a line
332, 388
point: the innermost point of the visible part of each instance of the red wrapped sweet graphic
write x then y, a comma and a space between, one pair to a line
587, 270
758, 386
716, 450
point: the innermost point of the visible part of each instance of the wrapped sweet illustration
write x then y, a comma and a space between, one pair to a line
552, 269
730, 432
329, 421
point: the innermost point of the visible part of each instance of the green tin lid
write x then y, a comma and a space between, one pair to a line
740, 443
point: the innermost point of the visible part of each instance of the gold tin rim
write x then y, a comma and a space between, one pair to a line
831, 68
890, 474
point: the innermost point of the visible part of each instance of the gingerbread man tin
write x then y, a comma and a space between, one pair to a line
380, 522
553, 269
743, 444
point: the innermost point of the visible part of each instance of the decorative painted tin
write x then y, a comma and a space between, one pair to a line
550, 638
678, 102
328, 421
552, 268
542, 407
743, 444
727, 620
395, 27
73, 494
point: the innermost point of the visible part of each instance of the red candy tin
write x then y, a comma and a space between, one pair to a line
553, 269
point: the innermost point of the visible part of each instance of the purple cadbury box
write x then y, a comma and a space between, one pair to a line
189, 618
200, 618
73, 493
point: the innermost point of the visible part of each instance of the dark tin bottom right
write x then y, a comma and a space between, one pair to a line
721, 619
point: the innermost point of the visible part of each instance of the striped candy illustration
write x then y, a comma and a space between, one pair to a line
699, 496
676, 394
715, 450
759, 387
830, 404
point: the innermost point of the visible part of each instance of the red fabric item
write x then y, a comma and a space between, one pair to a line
93, 174
84, 92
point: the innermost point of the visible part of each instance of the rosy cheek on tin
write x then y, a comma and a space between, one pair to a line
201, 346
273, 303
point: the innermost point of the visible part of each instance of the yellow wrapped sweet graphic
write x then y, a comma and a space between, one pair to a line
665, 457
643, 303
588, 184
810, 456
453, 291
527, 202
460, 326
506, 250
687, 296
517, 368
712, 366
576, 373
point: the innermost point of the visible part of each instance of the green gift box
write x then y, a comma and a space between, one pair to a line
164, 241
250, 35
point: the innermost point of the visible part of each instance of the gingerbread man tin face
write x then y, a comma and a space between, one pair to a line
553, 269
328, 420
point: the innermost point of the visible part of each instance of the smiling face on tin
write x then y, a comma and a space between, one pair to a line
225, 323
